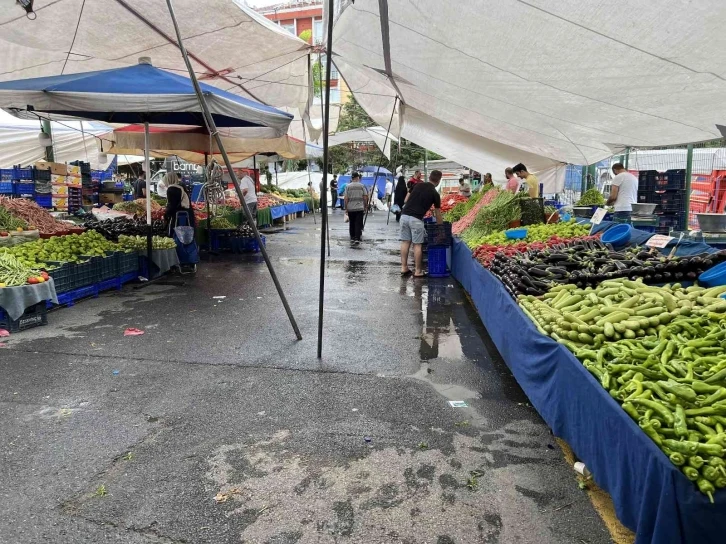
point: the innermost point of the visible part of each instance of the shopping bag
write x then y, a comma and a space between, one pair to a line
395, 208
346, 217
186, 247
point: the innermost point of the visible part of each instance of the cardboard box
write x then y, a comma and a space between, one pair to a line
74, 171
110, 198
57, 180
59, 190
60, 203
72, 181
57, 168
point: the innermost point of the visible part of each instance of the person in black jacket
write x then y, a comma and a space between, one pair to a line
177, 200
399, 196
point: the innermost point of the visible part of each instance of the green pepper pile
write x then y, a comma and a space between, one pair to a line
661, 353
591, 197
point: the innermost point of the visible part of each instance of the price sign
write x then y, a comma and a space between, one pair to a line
598, 216
659, 240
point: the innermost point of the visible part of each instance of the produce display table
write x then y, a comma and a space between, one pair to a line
651, 496
15, 300
264, 217
163, 260
276, 212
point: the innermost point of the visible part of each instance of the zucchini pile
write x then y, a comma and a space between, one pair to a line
661, 354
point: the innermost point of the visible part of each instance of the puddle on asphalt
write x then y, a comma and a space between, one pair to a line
454, 343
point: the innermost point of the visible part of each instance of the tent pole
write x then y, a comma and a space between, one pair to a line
213, 127
322, 112
380, 163
49, 156
149, 228
326, 159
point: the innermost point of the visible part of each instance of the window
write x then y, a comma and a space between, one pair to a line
289, 27
333, 70
318, 36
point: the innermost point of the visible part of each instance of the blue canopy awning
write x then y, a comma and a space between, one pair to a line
138, 94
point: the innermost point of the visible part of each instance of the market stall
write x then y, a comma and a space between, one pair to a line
620, 348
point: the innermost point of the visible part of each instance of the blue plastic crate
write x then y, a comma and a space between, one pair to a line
6, 174
130, 276
439, 235
6, 187
437, 257
69, 298
239, 244
44, 201
111, 283
24, 190
23, 173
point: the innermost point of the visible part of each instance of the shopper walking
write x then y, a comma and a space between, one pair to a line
399, 197
389, 192
415, 180
623, 193
356, 201
413, 230
140, 186
177, 200
334, 191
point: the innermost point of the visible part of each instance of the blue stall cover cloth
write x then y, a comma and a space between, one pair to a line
280, 211
639, 238
651, 496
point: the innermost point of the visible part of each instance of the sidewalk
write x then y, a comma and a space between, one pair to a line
217, 426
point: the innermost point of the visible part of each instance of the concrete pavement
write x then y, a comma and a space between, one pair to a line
217, 426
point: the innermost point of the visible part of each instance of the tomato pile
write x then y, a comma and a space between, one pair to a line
447, 203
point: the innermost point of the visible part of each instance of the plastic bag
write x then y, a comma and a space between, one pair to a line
395, 208
346, 217
184, 234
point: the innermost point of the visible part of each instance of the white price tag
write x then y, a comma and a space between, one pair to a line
598, 216
659, 240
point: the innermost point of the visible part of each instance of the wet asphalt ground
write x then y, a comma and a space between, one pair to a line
217, 426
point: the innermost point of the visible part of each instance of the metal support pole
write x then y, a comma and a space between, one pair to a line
689, 175
213, 128
380, 163
627, 157
326, 159
322, 113
426, 167
147, 179
47, 129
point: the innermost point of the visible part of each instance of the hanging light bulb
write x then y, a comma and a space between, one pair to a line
102, 158
45, 140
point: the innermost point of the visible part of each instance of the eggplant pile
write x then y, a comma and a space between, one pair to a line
587, 263
111, 229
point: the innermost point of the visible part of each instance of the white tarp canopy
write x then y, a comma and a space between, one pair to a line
19, 143
230, 46
378, 135
705, 160
572, 81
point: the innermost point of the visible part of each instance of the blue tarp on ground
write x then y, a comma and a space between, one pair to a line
279, 211
651, 496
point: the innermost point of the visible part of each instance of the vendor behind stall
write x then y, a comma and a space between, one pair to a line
177, 200
623, 193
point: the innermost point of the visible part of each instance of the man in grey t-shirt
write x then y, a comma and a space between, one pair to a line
356, 202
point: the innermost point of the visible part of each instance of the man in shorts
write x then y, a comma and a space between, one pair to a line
418, 203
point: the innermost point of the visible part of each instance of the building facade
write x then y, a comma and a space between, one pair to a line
304, 18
